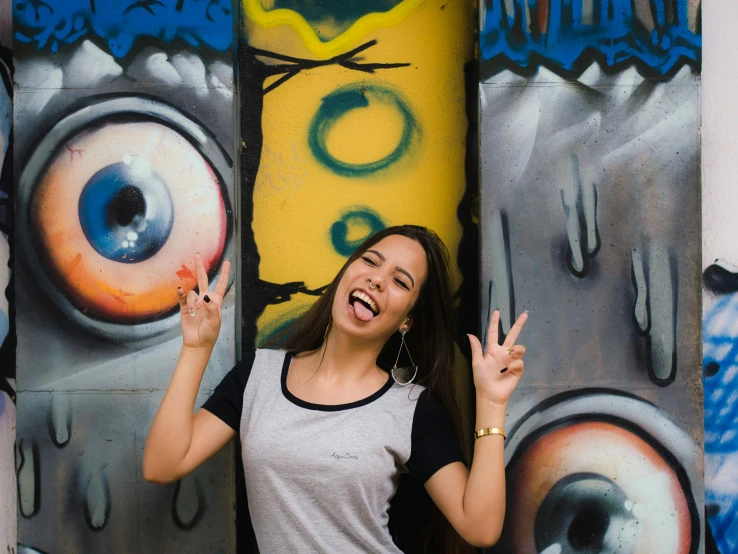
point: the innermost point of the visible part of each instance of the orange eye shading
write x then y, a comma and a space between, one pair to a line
118, 216
594, 487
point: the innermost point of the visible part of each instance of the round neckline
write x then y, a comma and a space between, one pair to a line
327, 407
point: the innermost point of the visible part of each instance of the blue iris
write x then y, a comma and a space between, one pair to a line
126, 212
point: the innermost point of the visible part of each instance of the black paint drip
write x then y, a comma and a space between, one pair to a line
719, 280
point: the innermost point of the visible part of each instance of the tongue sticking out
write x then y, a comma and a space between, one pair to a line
362, 312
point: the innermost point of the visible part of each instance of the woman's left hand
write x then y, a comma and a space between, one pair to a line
498, 369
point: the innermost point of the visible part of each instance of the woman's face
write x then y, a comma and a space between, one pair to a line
378, 290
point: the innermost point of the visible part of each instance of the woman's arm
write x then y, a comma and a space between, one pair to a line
474, 501
179, 441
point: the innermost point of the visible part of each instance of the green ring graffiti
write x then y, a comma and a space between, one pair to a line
359, 216
339, 103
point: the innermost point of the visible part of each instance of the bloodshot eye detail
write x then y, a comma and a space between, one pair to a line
600, 471
114, 203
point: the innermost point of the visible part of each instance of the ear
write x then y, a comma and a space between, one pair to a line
407, 325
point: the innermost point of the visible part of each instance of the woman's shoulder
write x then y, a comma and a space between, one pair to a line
420, 400
270, 353
267, 357
270, 350
262, 367
410, 396
413, 391
253, 361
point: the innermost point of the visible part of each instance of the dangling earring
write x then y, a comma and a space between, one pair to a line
398, 371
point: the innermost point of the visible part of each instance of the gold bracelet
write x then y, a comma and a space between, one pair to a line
490, 431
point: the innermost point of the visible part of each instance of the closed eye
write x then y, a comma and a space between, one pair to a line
368, 260
402, 284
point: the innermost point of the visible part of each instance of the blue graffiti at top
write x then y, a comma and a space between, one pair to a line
564, 35
52, 23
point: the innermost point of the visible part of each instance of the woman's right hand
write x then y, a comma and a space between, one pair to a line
201, 314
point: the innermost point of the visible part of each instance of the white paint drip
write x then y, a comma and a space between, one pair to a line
569, 197
91, 67
96, 500
60, 418
191, 70
501, 285
26, 479
43, 80
640, 309
661, 305
153, 65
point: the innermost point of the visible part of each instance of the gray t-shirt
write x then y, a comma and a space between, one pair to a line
320, 477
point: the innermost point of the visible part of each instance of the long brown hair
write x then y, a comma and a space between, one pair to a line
431, 341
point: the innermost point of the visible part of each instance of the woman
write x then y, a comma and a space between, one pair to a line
326, 429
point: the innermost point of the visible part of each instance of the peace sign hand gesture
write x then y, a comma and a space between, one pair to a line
498, 369
201, 314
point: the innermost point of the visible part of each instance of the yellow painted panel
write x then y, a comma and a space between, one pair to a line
343, 146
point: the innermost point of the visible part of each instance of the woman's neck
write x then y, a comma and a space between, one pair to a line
345, 358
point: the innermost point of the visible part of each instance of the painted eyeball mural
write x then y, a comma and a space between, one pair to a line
597, 472
118, 198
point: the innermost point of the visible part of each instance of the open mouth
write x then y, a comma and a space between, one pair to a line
364, 306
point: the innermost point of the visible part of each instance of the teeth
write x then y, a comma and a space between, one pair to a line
361, 296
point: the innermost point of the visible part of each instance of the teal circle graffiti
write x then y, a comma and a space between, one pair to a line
339, 103
340, 230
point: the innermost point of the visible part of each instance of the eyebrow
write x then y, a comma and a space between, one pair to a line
400, 269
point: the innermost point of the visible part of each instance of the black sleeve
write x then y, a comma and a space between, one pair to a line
434, 441
226, 402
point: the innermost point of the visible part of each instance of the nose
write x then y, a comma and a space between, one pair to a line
375, 282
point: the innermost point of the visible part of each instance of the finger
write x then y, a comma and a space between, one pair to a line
225, 272
492, 330
202, 275
516, 352
182, 298
191, 302
517, 367
212, 311
515, 330
476, 348
209, 302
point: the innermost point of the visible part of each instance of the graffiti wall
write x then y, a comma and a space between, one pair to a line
720, 283
124, 170
7, 342
590, 168
350, 117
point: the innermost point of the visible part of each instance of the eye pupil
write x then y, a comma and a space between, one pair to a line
126, 212
587, 530
578, 513
127, 205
